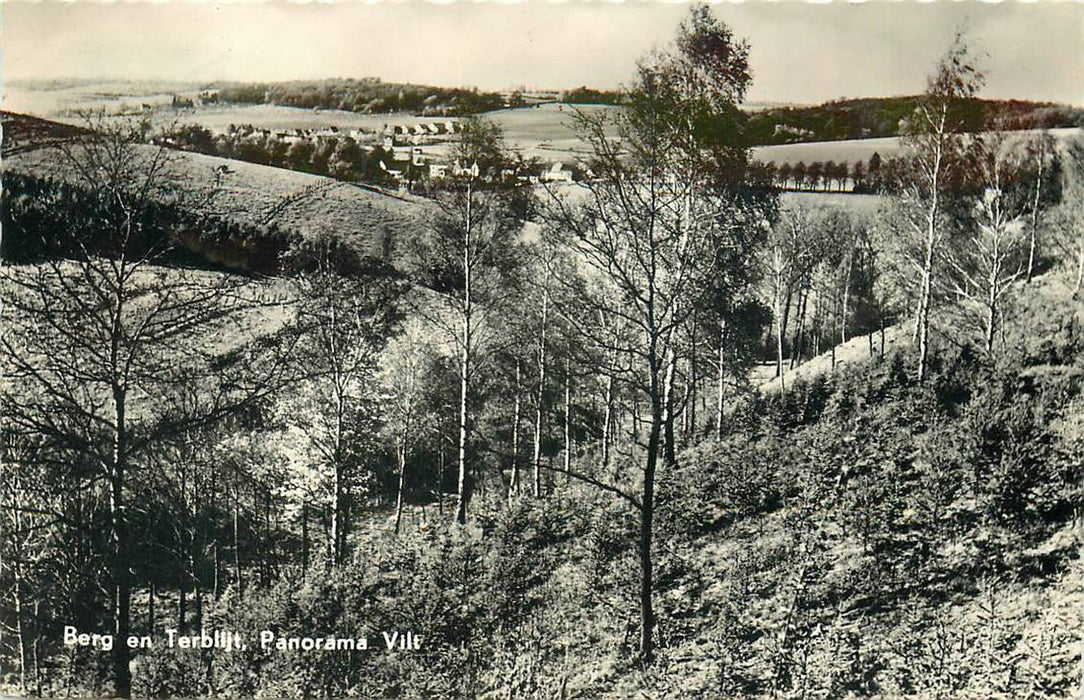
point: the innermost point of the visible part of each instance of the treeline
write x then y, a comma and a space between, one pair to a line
591, 96
172, 233
368, 95
882, 117
372, 96
879, 175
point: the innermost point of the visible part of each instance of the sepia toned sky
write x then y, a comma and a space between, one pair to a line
801, 52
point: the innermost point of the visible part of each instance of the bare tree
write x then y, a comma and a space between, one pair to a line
407, 416
467, 261
647, 227
344, 317
934, 154
101, 339
988, 258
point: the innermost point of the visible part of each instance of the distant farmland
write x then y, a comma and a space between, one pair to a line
850, 151
823, 151
218, 118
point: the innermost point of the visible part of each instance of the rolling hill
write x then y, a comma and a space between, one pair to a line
247, 194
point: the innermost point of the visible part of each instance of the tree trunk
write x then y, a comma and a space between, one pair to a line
513, 482
796, 350
690, 407
400, 454
607, 420
668, 407
35, 651
1079, 269
198, 602
846, 299
464, 388
20, 630
237, 544
882, 318
568, 415
923, 322
779, 326
994, 293
536, 462
270, 550
122, 594
1034, 232
182, 594
337, 515
440, 479
647, 614
720, 384
217, 590
923, 329
304, 539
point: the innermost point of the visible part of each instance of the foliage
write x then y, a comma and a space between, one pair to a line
368, 95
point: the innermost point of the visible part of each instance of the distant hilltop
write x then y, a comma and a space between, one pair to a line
765, 123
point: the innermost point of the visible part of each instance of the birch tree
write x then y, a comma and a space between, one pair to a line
100, 338
344, 318
989, 256
466, 261
408, 419
934, 151
651, 220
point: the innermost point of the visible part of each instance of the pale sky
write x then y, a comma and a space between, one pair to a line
800, 52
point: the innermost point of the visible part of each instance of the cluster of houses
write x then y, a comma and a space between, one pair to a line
420, 134
410, 164
394, 135
405, 159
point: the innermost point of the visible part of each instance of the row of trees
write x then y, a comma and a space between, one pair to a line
880, 117
879, 175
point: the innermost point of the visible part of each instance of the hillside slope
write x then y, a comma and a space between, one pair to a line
865, 536
247, 194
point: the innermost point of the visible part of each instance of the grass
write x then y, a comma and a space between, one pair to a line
847, 151
853, 352
260, 195
218, 118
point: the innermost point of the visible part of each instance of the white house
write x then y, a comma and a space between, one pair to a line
557, 173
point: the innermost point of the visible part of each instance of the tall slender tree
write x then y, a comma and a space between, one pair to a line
106, 344
650, 225
467, 261
935, 155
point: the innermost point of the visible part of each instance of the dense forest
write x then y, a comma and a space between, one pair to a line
658, 433
369, 95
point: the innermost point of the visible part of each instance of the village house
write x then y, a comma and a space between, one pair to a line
557, 173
